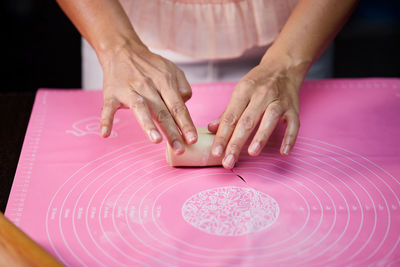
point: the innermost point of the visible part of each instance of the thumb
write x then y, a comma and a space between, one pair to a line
213, 126
184, 88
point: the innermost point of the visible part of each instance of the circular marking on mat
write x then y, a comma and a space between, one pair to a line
230, 211
126, 208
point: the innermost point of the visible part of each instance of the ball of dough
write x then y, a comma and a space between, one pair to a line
196, 155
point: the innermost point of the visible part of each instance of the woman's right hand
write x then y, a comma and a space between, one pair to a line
151, 86
155, 90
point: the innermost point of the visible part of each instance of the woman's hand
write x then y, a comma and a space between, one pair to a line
269, 93
153, 88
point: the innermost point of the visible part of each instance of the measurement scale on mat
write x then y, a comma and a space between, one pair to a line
26, 164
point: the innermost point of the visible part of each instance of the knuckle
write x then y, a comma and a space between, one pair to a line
275, 110
106, 121
291, 139
246, 84
234, 148
274, 89
263, 135
220, 140
109, 102
230, 119
110, 105
187, 128
294, 117
137, 85
167, 75
162, 116
138, 103
262, 139
140, 82
247, 122
178, 109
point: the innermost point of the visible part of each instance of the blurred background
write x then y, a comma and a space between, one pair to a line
41, 48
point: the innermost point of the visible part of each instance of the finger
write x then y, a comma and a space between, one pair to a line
269, 121
110, 106
228, 123
183, 86
292, 130
164, 119
180, 114
143, 116
244, 128
213, 126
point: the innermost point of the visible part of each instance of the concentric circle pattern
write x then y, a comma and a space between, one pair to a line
323, 206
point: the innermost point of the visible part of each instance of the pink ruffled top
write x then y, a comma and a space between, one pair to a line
208, 29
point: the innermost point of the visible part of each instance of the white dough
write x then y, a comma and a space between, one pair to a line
196, 155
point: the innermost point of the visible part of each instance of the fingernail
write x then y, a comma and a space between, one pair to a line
213, 123
155, 136
254, 148
177, 147
218, 151
184, 90
191, 137
286, 150
103, 131
229, 161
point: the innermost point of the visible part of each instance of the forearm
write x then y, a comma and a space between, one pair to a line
310, 28
103, 23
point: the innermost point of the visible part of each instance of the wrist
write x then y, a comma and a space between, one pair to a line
119, 45
296, 66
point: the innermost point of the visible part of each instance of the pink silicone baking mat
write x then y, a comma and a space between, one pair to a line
115, 202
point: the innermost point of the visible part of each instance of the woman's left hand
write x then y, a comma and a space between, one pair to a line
270, 93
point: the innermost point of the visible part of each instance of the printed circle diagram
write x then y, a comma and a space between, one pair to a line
230, 211
322, 206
